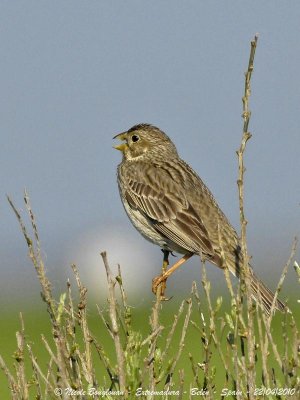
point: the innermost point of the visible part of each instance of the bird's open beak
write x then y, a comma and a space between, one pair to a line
123, 146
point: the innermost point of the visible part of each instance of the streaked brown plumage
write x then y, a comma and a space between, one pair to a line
170, 205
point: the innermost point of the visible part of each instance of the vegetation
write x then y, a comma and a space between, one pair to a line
203, 350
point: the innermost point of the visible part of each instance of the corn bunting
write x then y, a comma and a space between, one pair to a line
169, 205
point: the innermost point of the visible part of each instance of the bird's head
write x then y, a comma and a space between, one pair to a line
143, 141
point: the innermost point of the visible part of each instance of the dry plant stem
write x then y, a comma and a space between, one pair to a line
205, 334
127, 317
100, 312
36, 366
267, 319
213, 328
114, 325
124, 320
85, 330
195, 367
238, 319
152, 336
181, 343
172, 330
285, 358
225, 267
35, 256
245, 273
181, 383
51, 380
48, 376
105, 360
48, 348
71, 345
20, 366
282, 278
295, 350
268, 336
154, 323
70, 311
11, 380
263, 350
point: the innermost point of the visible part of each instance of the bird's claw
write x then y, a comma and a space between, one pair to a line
164, 298
160, 282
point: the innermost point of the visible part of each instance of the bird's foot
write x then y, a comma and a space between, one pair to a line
159, 285
159, 281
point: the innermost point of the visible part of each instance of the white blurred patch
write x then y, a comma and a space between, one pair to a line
140, 261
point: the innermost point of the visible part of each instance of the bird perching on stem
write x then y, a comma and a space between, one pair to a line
169, 205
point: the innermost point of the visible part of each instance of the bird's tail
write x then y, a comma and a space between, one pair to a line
264, 296
260, 293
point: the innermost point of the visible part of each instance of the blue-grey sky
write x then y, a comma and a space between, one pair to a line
75, 73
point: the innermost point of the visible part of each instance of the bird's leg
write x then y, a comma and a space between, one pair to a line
165, 260
164, 267
161, 279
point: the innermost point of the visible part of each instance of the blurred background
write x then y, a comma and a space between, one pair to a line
74, 74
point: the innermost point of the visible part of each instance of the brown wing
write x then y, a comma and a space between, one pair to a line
162, 200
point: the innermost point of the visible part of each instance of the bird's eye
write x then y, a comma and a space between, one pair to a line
135, 138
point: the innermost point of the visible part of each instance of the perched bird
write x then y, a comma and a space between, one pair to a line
169, 205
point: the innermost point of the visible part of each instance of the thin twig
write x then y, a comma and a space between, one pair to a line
84, 326
114, 324
20, 365
172, 330
152, 336
181, 344
282, 278
11, 380
155, 325
245, 257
